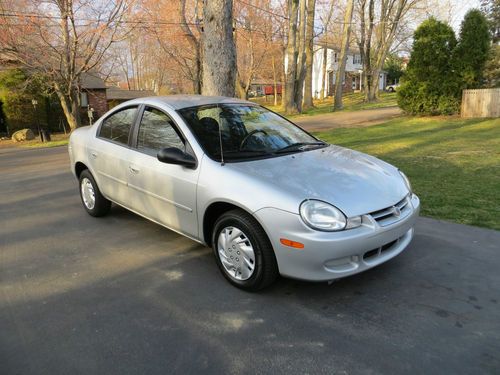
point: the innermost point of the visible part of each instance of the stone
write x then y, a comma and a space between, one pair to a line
23, 135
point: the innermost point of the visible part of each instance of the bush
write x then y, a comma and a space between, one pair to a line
16, 103
429, 86
17, 91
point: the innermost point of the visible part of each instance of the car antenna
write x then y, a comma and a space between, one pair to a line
222, 163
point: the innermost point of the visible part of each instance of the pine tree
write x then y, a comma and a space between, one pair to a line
430, 85
473, 48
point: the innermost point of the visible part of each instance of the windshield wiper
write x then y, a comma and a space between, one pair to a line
299, 146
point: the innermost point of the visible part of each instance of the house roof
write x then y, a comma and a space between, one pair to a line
116, 93
91, 81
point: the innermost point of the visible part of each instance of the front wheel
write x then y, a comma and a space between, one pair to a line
243, 251
93, 201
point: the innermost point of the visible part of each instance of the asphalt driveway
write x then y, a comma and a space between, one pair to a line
121, 295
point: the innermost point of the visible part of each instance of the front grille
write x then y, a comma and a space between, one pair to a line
379, 250
392, 214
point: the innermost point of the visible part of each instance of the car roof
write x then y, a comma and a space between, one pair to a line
185, 101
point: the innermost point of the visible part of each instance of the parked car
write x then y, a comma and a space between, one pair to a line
267, 196
392, 88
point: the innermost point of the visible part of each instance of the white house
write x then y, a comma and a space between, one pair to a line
353, 76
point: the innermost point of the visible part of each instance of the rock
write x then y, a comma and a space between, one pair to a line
23, 135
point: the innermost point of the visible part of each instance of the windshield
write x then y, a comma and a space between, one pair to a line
246, 131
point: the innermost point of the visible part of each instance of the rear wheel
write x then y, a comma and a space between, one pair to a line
93, 201
243, 251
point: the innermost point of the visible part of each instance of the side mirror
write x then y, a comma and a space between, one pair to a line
173, 155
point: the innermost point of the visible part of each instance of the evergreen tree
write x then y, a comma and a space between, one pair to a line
430, 85
473, 48
394, 67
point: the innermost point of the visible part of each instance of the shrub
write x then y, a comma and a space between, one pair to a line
429, 86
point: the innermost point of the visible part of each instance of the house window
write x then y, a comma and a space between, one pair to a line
336, 57
84, 99
356, 59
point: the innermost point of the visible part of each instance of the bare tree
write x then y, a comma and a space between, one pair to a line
254, 40
219, 52
296, 56
346, 34
62, 40
379, 22
309, 52
326, 19
289, 103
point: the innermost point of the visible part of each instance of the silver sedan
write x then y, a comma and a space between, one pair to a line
267, 196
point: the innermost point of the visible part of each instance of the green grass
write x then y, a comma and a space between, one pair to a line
351, 102
38, 144
453, 163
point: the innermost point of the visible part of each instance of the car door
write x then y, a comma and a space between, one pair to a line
109, 153
162, 192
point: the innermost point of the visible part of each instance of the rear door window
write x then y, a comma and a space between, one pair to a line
117, 127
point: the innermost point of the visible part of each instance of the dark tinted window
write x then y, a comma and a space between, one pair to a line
156, 132
117, 126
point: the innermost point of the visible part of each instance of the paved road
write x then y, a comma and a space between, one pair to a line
121, 295
334, 120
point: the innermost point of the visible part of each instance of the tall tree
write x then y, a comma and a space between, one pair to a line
346, 34
309, 52
289, 103
379, 22
472, 49
62, 40
219, 51
326, 19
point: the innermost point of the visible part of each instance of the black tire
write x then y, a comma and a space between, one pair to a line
266, 267
391, 89
102, 205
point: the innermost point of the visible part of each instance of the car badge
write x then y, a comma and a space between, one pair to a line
397, 211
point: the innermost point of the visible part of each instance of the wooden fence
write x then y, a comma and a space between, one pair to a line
481, 103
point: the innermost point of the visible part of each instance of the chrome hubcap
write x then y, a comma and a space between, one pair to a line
236, 253
88, 194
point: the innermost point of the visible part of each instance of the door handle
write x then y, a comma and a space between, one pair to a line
134, 170
93, 154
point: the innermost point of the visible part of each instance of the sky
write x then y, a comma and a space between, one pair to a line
461, 7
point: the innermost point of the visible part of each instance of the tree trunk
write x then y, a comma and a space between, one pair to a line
275, 84
301, 60
240, 89
289, 104
219, 51
195, 45
343, 55
71, 107
308, 94
323, 73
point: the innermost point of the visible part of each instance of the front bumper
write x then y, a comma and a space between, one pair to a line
331, 255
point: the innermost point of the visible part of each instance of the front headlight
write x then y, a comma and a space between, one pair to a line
322, 216
407, 182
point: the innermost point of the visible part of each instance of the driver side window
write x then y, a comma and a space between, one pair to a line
157, 131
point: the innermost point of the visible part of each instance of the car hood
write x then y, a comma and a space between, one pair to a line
354, 182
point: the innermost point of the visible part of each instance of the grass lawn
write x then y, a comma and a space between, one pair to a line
351, 101
58, 139
453, 164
